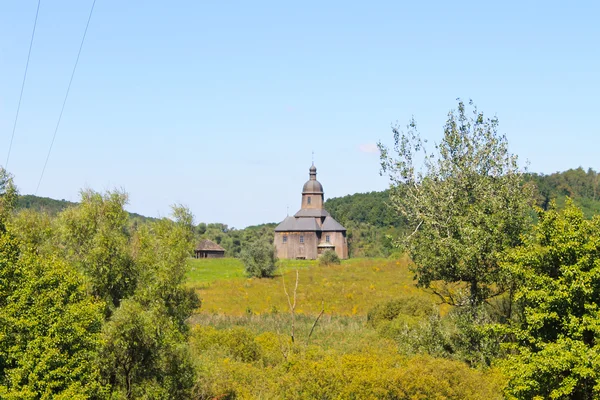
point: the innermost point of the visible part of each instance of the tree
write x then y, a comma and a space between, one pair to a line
94, 237
465, 206
8, 197
557, 337
49, 328
144, 355
259, 259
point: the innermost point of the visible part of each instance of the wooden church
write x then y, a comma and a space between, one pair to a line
311, 231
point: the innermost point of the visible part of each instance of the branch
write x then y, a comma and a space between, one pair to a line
415, 231
315, 323
292, 306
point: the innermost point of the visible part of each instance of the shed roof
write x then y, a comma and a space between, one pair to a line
208, 245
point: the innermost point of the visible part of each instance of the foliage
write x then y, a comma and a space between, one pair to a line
459, 335
49, 328
235, 363
8, 197
578, 184
369, 222
260, 260
410, 308
94, 305
465, 207
235, 240
556, 337
94, 237
144, 355
329, 257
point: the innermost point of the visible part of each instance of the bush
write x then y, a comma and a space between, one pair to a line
418, 328
413, 307
259, 260
329, 258
272, 370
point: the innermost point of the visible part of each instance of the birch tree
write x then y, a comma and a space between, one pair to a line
464, 199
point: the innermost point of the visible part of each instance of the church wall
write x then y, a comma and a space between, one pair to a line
338, 239
293, 248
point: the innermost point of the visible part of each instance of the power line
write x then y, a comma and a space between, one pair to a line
66, 96
23, 84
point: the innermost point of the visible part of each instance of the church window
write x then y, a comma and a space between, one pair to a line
301, 239
308, 200
285, 239
327, 238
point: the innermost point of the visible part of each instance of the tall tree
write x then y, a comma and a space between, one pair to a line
94, 237
8, 197
465, 204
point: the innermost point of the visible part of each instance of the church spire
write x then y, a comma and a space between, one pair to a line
313, 172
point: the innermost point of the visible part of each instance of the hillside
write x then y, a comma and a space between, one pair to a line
369, 221
53, 206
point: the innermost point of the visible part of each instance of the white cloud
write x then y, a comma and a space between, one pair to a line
369, 148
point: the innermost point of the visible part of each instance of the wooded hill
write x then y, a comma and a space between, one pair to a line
370, 222
53, 207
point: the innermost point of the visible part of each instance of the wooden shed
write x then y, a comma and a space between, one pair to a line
209, 249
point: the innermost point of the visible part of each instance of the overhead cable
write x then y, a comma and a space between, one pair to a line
66, 96
37, 11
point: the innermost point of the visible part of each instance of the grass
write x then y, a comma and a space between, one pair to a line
349, 289
204, 271
342, 333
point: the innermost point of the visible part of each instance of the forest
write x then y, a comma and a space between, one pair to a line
469, 279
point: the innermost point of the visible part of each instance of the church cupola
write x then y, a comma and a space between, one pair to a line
312, 192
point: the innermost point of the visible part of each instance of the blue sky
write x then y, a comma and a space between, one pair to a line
218, 105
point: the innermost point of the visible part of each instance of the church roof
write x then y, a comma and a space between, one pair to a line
312, 212
306, 219
331, 224
292, 224
209, 245
312, 186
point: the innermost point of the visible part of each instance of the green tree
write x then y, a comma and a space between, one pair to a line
259, 259
145, 356
160, 252
557, 337
8, 197
465, 206
94, 237
49, 328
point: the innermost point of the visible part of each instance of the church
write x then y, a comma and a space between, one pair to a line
311, 231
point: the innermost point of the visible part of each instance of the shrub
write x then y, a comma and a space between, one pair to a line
411, 307
329, 258
315, 372
259, 260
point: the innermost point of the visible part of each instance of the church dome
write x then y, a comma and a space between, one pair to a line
312, 185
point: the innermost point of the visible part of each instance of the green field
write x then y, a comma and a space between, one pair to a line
242, 335
351, 288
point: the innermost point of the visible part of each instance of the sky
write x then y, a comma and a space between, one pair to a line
220, 105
